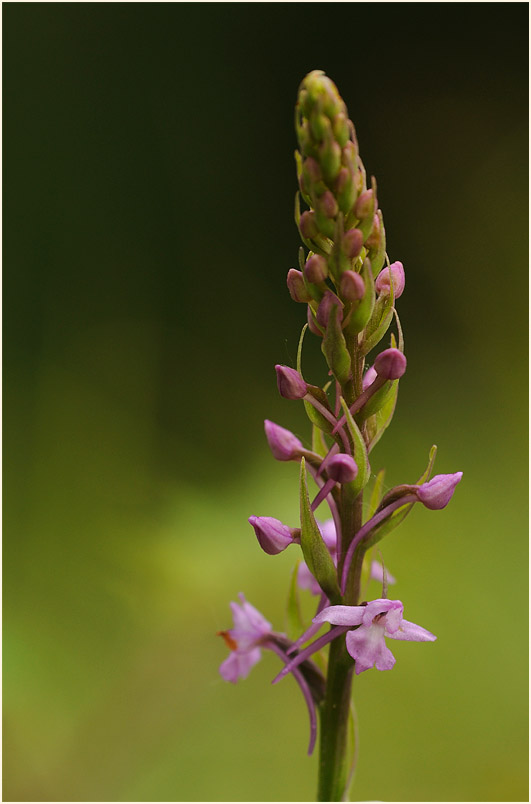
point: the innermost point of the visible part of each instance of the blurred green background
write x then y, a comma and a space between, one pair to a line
148, 229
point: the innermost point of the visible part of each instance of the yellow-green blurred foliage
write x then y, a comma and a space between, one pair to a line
149, 181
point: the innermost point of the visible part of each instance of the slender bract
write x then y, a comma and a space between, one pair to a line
350, 288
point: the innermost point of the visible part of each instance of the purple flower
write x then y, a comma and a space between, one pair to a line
272, 534
244, 640
438, 491
383, 280
375, 621
283, 444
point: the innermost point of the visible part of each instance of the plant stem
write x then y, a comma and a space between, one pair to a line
333, 759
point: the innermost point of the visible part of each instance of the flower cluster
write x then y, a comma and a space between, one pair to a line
350, 289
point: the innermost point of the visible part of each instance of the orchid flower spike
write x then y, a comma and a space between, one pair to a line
371, 624
250, 631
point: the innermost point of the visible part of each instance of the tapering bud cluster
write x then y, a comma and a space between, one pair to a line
332, 181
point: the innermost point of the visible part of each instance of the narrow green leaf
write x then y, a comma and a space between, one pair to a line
294, 621
427, 472
335, 348
299, 349
376, 493
379, 323
377, 256
318, 442
360, 452
399, 329
314, 549
380, 421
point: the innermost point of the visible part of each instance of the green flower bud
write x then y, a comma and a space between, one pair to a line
308, 225
330, 159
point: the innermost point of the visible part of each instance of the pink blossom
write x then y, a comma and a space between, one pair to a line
371, 624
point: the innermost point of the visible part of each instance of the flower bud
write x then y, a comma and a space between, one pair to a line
327, 204
438, 491
330, 159
296, 286
351, 286
364, 204
328, 301
341, 129
342, 468
312, 170
273, 536
290, 383
383, 280
308, 225
316, 269
373, 240
349, 156
390, 364
283, 444
312, 326
352, 243
369, 377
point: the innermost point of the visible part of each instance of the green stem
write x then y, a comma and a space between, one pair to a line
333, 760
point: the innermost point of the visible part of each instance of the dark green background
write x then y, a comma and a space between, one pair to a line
148, 228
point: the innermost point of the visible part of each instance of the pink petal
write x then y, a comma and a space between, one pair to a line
412, 633
238, 665
341, 615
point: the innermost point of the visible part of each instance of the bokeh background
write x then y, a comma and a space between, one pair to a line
148, 228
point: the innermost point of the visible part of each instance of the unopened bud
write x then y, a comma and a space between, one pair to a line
349, 156
316, 269
352, 243
390, 364
342, 468
330, 159
296, 286
283, 444
438, 491
328, 301
308, 225
273, 536
351, 286
383, 280
328, 204
373, 240
312, 170
341, 128
312, 326
290, 383
364, 204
